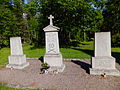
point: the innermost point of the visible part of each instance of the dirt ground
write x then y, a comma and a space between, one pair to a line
75, 77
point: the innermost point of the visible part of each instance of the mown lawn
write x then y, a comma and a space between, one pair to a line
84, 51
2, 87
4, 53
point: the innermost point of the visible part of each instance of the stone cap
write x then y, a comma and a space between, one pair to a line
51, 28
103, 32
104, 57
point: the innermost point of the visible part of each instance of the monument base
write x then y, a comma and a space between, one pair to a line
55, 62
113, 72
15, 66
17, 62
56, 68
104, 65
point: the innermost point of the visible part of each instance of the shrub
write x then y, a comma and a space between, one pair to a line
116, 40
44, 67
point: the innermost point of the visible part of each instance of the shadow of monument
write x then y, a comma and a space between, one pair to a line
116, 55
90, 52
33, 47
41, 59
83, 65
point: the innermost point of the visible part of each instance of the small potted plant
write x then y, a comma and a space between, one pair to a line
44, 68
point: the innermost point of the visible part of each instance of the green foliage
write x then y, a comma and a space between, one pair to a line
111, 23
44, 67
111, 15
78, 19
34, 20
31, 8
11, 21
74, 17
7, 24
116, 40
2, 87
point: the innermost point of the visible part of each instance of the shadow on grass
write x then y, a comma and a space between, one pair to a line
116, 55
33, 47
83, 65
90, 52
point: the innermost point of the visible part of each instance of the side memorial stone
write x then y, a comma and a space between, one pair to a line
53, 57
103, 62
17, 59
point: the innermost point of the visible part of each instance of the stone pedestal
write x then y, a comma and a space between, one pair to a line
103, 62
55, 61
53, 57
104, 65
17, 59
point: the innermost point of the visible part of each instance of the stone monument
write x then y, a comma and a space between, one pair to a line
53, 57
17, 59
103, 63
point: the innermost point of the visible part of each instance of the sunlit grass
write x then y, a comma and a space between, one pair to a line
2, 87
84, 51
4, 53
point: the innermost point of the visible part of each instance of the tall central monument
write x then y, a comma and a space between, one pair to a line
53, 57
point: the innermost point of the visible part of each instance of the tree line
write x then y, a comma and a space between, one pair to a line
78, 20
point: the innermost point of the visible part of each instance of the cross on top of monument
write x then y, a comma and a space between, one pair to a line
51, 17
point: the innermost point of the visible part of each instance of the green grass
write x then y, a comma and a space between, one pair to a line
30, 51
2, 87
84, 51
4, 53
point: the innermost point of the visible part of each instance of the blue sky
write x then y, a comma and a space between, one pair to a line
26, 1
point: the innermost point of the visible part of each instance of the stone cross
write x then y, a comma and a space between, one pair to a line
51, 17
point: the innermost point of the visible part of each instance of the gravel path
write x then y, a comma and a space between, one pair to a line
75, 77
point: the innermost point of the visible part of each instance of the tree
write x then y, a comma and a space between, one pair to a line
8, 25
76, 18
111, 15
22, 25
111, 23
12, 22
31, 9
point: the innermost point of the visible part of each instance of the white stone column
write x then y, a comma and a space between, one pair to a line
53, 57
17, 59
103, 62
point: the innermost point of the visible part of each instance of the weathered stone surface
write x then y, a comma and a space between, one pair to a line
112, 72
17, 59
54, 59
103, 62
52, 43
102, 44
16, 46
53, 56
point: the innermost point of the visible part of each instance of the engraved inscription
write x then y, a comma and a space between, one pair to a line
51, 47
51, 42
51, 37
